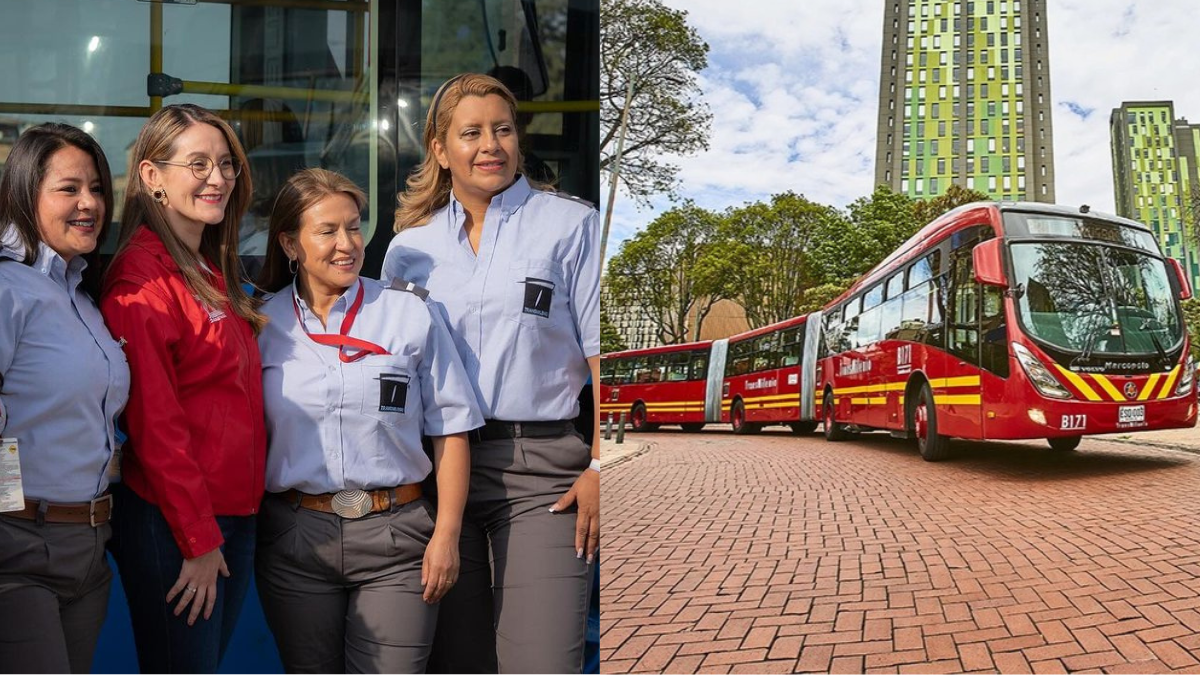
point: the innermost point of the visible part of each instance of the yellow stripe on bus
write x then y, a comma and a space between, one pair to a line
957, 399
1088, 393
1108, 386
777, 397
1166, 390
1148, 390
947, 382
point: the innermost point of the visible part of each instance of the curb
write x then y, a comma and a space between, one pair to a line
643, 447
1152, 444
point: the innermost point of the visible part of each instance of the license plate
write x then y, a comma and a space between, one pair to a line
1131, 414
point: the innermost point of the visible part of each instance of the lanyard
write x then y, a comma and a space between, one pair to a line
341, 340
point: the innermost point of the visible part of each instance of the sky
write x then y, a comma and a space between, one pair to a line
793, 86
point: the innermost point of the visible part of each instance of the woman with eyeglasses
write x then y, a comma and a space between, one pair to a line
193, 466
63, 381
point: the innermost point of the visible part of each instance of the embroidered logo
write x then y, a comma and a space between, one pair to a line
539, 295
393, 392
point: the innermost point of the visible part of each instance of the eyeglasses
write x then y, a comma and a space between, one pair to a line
202, 167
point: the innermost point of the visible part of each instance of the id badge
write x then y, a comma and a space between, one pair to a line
12, 496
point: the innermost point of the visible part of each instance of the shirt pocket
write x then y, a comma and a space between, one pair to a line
535, 295
391, 392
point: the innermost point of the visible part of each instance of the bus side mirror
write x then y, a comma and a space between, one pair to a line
1185, 286
989, 270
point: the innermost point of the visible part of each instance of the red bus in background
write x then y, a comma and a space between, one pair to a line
757, 378
659, 385
1011, 321
765, 381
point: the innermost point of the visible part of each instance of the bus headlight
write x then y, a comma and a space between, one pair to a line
1187, 377
1046, 384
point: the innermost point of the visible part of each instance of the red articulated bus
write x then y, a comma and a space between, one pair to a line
1011, 321
757, 378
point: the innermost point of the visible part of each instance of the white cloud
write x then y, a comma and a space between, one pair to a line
793, 87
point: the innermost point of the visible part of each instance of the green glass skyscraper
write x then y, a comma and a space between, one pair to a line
1155, 178
964, 98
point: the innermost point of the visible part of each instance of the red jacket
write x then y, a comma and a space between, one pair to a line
197, 437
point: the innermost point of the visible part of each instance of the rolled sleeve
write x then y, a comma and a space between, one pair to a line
154, 418
446, 393
585, 286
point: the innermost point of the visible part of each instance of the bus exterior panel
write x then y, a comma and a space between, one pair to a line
660, 385
764, 376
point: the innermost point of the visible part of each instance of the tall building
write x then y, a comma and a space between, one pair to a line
964, 97
1155, 177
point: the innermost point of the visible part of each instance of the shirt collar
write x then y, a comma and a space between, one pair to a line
342, 304
49, 262
513, 197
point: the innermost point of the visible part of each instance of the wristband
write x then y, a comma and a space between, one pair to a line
595, 465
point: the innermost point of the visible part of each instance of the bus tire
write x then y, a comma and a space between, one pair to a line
932, 445
737, 418
1064, 443
637, 419
692, 427
803, 428
833, 431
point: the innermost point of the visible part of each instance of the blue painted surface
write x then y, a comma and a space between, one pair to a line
253, 649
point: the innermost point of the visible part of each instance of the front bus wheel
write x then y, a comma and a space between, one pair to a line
638, 419
1064, 443
933, 446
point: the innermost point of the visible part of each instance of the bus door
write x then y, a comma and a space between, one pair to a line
958, 394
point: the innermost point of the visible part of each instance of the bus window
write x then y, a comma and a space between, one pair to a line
994, 347
623, 372
792, 340
872, 297
963, 328
925, 269
677, 367
608, 371
868, 327
852, 308
699, 366
895, 286
889, 317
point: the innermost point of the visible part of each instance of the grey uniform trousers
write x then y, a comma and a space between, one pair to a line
521, 601
54, 583
345, 595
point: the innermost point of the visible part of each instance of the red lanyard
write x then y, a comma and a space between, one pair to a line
341, 340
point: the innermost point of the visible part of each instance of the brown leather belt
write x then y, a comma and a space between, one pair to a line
95, 513
355, 503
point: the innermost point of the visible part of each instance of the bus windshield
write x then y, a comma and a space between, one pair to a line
1095, 299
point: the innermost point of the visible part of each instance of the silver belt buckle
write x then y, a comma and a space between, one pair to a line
351, 504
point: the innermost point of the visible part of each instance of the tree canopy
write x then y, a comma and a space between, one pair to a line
652, 46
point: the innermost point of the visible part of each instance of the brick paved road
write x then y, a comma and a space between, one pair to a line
772, 553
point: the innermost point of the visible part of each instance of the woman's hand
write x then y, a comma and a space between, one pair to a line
586, 493
439, 571
197, 584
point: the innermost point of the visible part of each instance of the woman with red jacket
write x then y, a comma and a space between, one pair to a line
193, 465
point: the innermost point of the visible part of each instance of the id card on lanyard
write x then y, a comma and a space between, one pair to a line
342, 339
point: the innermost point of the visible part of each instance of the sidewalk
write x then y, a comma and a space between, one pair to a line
1167, 439
612, 453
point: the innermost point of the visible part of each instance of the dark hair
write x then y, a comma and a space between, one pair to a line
23, 176
300, 193
156, 142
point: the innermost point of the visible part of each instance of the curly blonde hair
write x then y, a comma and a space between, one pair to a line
428, 186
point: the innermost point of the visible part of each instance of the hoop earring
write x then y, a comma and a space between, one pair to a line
160, 196
293, 266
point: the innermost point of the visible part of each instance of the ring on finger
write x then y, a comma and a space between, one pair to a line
190, 589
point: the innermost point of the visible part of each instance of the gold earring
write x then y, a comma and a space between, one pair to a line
160, 196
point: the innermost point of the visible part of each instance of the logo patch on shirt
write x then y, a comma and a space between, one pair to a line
393, 392
539, 295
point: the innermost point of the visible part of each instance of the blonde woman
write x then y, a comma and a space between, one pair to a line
193, 465
516, 270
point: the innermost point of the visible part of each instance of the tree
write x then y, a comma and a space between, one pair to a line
927, 210
767, 255
652, 46
655, 273
610, 338
873, 227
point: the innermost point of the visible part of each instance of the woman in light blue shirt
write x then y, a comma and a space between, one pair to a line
516, 269
63, 381
351, 558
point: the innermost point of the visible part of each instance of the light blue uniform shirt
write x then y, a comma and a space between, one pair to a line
65, 378
336, 426
525, 311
